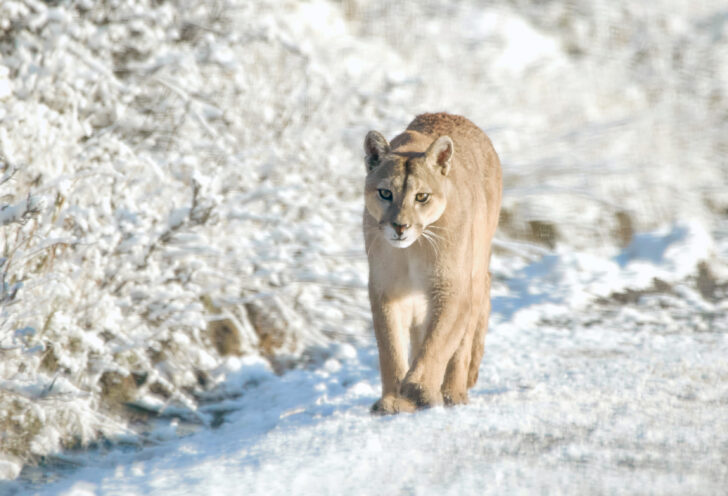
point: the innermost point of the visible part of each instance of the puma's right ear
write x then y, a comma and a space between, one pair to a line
375, 147
440, 152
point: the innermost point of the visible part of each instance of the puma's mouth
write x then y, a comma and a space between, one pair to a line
402, 242
400, 239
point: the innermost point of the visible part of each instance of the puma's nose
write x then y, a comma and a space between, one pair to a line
399, 228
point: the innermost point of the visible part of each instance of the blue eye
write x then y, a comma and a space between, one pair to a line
385, 194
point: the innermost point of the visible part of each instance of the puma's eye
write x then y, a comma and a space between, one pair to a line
385, 194
422, 197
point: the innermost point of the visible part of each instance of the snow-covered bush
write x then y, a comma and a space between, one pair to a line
157, 209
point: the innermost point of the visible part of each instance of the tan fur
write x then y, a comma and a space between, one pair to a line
429, 284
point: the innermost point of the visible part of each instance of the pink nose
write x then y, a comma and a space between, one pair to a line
399, 228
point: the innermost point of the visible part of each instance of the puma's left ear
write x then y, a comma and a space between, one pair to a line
440, 153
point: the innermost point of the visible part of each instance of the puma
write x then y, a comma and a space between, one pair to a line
432, 200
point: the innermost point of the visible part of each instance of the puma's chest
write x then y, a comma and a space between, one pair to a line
416, 291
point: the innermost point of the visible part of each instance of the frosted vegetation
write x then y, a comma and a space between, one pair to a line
180, 181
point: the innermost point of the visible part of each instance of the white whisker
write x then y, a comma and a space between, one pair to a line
431, 240
435, 236
444, 229
375, 236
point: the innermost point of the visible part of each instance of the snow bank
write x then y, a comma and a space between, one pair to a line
567, 281
181, 180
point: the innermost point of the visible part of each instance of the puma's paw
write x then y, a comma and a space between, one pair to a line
452, 398
391, 404
420, 395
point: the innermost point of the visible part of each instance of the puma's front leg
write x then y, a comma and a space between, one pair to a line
422, 383
392, 354
455, 385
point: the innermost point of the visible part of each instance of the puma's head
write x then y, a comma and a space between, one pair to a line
406, 192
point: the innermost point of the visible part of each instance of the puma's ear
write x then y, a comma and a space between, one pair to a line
375, 147
440, 152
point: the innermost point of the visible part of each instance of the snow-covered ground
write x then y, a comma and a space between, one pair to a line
180, 204
624, 396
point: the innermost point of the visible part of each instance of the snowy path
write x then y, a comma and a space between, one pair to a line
568, 413
627, 395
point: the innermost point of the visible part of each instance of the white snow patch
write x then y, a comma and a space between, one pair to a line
9, 468
6, 86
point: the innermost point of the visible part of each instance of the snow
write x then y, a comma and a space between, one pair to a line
20, 211
6, 86
183, 304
